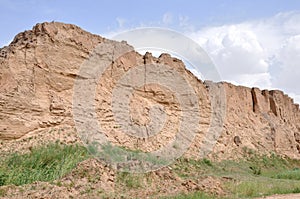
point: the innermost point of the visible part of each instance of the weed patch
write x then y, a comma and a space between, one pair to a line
194, 195
130, 180
44, 163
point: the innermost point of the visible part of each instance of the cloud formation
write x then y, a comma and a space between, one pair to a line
167, 18
263, 53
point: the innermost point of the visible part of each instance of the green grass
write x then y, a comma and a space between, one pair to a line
194, 195
257, 187
45, 163
293, 174
130, 180
254, 176
118, 154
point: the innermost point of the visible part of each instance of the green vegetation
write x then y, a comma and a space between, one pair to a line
130, 180
256, 187
254, 176
194, 195
117, 154
293, 174
44, 163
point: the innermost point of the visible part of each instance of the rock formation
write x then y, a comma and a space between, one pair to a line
37, 75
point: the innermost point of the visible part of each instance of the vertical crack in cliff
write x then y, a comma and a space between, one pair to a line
112, 60
145, 74
272, 103
254, 101
145, 82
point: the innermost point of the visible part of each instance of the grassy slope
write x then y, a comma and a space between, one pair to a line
45, 163
254, 176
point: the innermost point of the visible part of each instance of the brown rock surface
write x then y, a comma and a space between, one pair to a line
266, 121
39, 68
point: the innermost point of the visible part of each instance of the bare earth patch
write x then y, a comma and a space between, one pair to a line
285, 196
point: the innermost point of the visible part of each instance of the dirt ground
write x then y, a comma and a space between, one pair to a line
286, 196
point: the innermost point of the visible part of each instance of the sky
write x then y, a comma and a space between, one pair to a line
253, 43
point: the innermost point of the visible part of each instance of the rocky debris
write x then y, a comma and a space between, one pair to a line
207, 184
39, 68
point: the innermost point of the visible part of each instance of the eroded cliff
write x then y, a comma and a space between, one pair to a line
37, 75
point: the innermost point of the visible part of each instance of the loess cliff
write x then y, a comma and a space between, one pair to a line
37, 75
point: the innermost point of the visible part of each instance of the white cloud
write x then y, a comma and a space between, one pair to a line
121, 22
184, 23
289, 63
295, 97
263, 53
237, 53
167, 18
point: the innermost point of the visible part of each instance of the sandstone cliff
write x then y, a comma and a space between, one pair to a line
37, 75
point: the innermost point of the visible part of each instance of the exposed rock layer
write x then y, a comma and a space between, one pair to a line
39, 68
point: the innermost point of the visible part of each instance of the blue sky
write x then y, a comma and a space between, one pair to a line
253, 43
105, 16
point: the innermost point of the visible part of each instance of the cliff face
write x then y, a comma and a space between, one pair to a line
267, 121
37, 75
